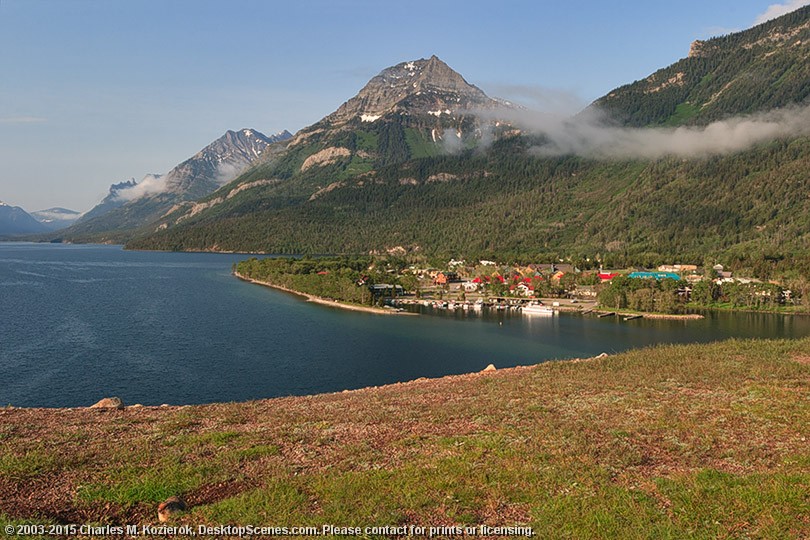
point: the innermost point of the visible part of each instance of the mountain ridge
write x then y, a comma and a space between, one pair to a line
131, 205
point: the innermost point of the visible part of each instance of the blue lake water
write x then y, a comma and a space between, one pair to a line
81, 322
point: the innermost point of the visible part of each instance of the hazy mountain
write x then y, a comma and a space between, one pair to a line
15, 221
56, 218
130, 205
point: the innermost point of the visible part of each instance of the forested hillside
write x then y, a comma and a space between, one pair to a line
762, 68
507, 203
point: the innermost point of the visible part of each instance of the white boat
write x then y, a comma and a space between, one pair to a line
537, 309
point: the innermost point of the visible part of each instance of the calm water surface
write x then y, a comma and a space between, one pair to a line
78, 323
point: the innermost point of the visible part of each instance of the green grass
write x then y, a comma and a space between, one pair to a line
683, 112
367, 141
153, 483
420, 145
31, 464
356, 166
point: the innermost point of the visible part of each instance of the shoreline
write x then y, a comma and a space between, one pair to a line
325, 301
658, 316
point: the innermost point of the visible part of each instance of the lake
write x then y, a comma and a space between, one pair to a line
81, 322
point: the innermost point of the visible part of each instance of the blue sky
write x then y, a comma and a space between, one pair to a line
94, 92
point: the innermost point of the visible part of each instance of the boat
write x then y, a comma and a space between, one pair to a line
537, 309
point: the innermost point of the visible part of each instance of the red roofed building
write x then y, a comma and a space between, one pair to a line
607, 276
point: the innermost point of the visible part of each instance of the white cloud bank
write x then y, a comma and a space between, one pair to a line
777, 10
150, 185
588, 135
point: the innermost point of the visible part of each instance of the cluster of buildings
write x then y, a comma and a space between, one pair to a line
524, 281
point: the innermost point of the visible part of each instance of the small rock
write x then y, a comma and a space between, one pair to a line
603, 355
109, 403
136, 406
170, 507
490, 367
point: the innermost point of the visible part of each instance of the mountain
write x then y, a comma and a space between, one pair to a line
56, 218
130, 205
412, 110
420, 88
377, 175
371, 177
765, 67
14, 221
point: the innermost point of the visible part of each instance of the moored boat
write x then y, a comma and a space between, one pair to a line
537, 309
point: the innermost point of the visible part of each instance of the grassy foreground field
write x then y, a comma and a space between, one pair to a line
700, 441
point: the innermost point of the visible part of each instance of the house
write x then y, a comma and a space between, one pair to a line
585, 291
471, 286
522, 289
443, 278
607, 276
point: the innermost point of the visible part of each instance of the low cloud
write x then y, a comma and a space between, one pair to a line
154, 184
590, 135
228, 171
451, 142
151, 184
777, 10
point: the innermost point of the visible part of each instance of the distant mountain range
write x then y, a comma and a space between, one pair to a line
56, 218
420, 160
14, 221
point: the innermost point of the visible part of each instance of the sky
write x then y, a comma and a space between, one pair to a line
94, 92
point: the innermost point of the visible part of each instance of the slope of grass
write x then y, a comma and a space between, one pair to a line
699, 441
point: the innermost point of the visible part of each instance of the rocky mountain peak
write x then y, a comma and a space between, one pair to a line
424, 86
219, 162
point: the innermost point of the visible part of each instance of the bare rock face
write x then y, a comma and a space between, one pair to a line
490, 367
109, 403
170, 507
417, 87
701, 49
